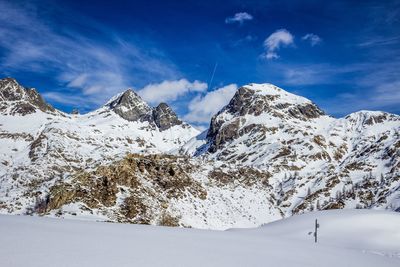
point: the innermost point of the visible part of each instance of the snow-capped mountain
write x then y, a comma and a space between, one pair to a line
313, 159
41, 145
268, 154
17, 100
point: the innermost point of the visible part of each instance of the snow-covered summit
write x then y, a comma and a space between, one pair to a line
259, 99
15, 99
309, 156
273, 90
10, 90
258, 104
130, 106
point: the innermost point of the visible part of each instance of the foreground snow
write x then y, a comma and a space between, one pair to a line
347, 238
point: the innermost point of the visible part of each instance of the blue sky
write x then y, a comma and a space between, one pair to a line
343, 55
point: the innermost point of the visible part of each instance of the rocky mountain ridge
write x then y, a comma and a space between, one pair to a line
15, 99
131, 107
268, 154
41, 145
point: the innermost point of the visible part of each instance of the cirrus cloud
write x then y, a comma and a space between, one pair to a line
83, 68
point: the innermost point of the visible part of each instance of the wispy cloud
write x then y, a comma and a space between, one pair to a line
312, 74
275, 41
170, 90
369, 85
70, 99
240, 18
94, 67
382, 97
203, 107
378, 41
312, 38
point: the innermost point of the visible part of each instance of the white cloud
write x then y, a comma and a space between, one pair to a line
170, 90
240, 17
312, 38
276, 40
202, 108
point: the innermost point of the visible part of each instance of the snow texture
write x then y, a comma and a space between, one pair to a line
354, 238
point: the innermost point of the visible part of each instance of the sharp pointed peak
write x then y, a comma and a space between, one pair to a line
28, 99
128, 93
129, 105
165, 117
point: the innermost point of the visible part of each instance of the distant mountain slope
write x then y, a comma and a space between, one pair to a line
268, 154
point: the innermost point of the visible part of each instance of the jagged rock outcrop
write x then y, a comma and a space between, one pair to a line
164, 117
137, 189
131, 107
156, 189
10, 90
256, 100
19, 100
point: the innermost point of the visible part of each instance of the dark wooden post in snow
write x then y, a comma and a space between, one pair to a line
316, 231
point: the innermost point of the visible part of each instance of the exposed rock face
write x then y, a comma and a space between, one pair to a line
147, 183
255, 101
24, 101
36, 99
131, 107
315, 161
10, 90
164, 117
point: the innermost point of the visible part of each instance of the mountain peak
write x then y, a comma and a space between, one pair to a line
368, 117
10, 90
281, 95
256, 99
21, 100
130, 106
165, 117
257, 104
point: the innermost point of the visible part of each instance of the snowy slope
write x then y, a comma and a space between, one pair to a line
313, 159
42, 145
346, 238
267, 155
